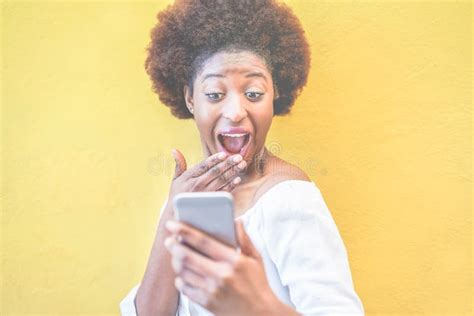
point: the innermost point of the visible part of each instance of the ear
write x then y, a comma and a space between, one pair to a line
188, 98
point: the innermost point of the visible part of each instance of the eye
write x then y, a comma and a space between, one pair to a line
214, 95
254, 95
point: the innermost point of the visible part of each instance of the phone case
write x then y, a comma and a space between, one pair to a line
211, 212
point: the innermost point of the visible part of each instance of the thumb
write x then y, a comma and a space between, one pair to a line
246, 245
180, 163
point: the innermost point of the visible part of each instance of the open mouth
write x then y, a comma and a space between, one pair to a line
234, 143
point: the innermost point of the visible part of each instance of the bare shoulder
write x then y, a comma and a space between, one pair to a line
280, 171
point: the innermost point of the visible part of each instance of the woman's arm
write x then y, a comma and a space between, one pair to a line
157, 294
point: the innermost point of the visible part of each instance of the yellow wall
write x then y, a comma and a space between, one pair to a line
383, 128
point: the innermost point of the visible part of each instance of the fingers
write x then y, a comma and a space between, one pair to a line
192, 278
217, 172
222, 173
228, 178
225, 171
196, 281
180, 163
185, 258
202, 242
207, 164
229, 186
194, 293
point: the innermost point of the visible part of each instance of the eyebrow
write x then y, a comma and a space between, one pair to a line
251, 74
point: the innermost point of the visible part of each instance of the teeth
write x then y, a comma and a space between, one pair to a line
233, 135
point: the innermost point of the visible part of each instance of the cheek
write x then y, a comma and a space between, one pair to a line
264, 117
262, 125
203, 111
205, 122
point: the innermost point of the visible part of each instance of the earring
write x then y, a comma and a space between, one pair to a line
191, 110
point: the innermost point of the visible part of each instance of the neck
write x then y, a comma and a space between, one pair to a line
256, 167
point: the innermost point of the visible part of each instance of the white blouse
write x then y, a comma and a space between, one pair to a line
304, 256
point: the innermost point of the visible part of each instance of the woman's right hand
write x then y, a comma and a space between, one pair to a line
157, 294
218, 172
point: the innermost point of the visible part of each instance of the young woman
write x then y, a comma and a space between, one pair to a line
232, 66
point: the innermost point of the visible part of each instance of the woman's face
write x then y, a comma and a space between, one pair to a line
232, 103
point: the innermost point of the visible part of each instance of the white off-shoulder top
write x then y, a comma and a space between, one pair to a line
305, 259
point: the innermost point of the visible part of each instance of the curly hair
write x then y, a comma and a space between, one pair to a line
188, 32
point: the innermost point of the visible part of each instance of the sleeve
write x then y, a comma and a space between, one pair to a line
127, 305
304, 244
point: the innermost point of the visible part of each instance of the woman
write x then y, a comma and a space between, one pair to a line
232, 66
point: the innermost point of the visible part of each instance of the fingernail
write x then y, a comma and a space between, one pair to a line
237, 180
172, 226
237, 158
168, 242
221, 155
178, 282
241, 165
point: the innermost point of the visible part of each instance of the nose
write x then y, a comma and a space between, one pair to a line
235, 108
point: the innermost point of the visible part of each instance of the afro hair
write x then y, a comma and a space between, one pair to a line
190, 31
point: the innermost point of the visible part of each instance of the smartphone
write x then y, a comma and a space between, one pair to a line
210, 212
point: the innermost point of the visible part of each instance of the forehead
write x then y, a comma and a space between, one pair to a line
228, 63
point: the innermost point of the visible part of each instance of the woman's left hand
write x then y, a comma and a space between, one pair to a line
226, 281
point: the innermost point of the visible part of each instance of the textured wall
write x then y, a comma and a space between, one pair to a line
383, 128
